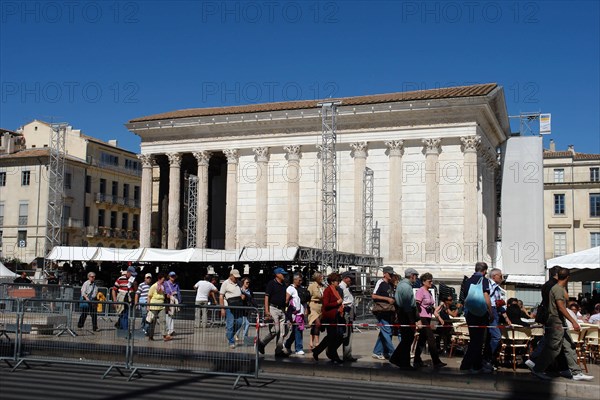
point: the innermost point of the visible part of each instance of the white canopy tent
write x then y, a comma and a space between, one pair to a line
586, 264
5, 272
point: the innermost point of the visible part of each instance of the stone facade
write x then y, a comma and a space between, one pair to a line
434, 163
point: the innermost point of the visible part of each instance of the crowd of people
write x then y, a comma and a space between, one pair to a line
402, 306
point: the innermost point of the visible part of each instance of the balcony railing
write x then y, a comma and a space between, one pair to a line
103, 231
118, 168
1, 220
22, 220
116, 200
72, 223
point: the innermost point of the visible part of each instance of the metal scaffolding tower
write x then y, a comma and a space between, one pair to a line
367, 232
328, 186
56, 174
191, 203
375, 250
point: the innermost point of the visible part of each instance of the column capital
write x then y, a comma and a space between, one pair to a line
395, 147
470, 143
174, 159
261, 154
359, 149
232, 156
432, 145
293, 152
203, 157
146, 159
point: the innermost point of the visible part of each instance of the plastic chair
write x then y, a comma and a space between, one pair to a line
459, 338
579, 340
592, 347
513, 339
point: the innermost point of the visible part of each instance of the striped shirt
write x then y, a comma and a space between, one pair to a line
142, 292
122, 284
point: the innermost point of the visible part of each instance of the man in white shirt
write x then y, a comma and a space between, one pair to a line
349, 315
231, 292
297, 317
205, 289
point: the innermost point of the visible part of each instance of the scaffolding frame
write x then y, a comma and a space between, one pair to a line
56, 176
367, 231
191, 203
328, 186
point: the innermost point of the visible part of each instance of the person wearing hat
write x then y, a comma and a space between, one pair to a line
123, 292
276, 298
141, 299
409, 318
232, 293
349, 315
384, 293
173, 295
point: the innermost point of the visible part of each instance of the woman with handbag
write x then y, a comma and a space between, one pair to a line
333, 316
315, 288
426, 307
89, 291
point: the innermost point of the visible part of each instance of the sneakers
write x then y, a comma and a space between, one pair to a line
439, 365
541, 375
530, 364
378, 356
300, 353
566, 374
232, 346
582, 377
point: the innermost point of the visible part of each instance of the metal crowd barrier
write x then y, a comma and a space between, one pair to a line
35, 329
192, 345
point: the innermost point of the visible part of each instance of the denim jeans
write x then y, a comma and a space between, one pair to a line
295, 336
232, 324
495, 334
384, 345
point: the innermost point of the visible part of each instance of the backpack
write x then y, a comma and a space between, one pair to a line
541, 315
304, 295
475, 301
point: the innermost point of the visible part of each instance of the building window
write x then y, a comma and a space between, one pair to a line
25, 178
560, 244
88, 184
559, 175
132, 165
594, 239
22, 239
2, 178
125, 221
109, 159
594, 204
594, 174
126, 190
0, 240
86, 216
68, 179
559, 204
115, 188
103, 186
101, 214
136, 222
1, 214
136, 193
113, 219
23, 212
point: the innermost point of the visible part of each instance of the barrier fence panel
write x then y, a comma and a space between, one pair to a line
10, 314
58, 331
176, 340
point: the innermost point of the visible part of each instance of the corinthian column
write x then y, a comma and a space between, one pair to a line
262, 195
293, 206
359, 152
231, 202
203, 158
146, 200
395, 151
470, 225
432, 202
174, 196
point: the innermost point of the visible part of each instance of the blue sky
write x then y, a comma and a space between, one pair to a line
99, 64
